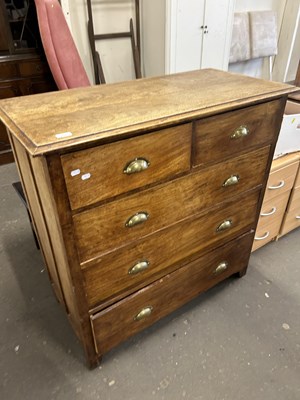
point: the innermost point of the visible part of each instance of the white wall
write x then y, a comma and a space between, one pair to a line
109, 16
153, 20
258, 67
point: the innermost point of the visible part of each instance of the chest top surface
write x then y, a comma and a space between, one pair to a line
60, 120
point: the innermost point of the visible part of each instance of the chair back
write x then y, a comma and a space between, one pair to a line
61, 52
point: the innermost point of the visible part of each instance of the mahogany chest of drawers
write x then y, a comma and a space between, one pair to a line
146, 193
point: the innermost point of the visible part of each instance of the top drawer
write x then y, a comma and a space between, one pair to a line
224, 135
105, 171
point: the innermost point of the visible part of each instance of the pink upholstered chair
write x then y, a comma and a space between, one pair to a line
61, 53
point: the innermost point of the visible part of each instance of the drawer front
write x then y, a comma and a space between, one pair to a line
297, 181
292, 216
8, 70
9, 89
294, 202
113, 274
96, 174
291, 221
222, 136
106, 227
280, 181
129, 316
266, 234
272, 211
32, 68
42, 86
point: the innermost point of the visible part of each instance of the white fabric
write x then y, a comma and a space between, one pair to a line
263, 33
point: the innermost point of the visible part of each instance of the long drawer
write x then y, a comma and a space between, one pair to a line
106, 227
222, 136
96, 174
131, 315
120, 271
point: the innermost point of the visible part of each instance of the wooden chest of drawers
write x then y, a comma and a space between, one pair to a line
145, 193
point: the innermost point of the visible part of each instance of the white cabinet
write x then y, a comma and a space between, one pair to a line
183, 35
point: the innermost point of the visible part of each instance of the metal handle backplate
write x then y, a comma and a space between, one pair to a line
232, 180
221, 268
144, 313
240, 132
224, 225
136, 165
137, 219
139, 267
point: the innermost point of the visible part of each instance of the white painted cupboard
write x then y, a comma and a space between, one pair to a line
184, 35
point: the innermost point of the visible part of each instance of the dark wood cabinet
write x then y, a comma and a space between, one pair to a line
23, 67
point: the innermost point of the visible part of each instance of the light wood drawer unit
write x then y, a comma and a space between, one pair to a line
160, 155
222, 136
139, 194
270, 220
297, 180
277, 201
292, 217
281, 180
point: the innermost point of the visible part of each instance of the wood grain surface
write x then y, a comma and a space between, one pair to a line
103, 228
108, 276
117, 323
213, 141
168, 153
128, 108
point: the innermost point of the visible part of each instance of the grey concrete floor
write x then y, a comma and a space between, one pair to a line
238, 341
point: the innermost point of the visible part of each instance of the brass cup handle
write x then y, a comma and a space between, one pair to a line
240, 132
144, 313
232, 180
273, 211
139, 267
221, 268
224, 225
281, 184
136, 165
137, 219
262, 237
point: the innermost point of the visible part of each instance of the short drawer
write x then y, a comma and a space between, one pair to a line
33, 68
95, 174
272, 211
107, 227
281, 181
131, 315
224, 135
149, 258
